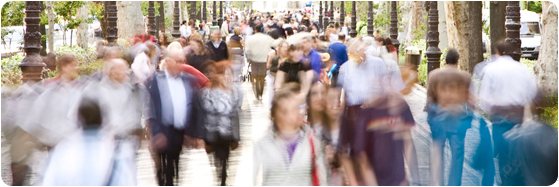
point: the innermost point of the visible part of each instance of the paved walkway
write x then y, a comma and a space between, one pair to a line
196, 169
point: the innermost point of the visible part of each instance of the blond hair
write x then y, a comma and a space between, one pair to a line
237, 30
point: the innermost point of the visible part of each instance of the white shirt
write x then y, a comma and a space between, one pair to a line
257, 47
141, 67
178, 96
506, 82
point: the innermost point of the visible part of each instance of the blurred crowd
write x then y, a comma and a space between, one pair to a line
337, 107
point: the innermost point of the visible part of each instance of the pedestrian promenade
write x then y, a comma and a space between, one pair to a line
196, 169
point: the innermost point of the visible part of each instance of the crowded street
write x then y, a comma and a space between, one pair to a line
281, 93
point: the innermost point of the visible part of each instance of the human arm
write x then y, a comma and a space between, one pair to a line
271, 56
280, 78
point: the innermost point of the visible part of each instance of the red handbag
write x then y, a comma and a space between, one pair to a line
315, 181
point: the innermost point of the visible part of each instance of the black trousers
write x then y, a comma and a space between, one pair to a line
222, 149
259, 74
169, 170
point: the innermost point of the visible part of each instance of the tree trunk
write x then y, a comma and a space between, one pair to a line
546, 66
463, 21
443, 38
104, 24
417, 25
169, 6
82, 36
406, 15
130, 19
50, 33
497, 31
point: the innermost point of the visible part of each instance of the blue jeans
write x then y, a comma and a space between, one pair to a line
453, 127
501, 148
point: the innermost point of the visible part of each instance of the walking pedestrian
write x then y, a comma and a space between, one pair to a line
218, 47
257, 48
338, 56
220, 104
289, 153
276, 57
199, 55
449, 117
504, 97
294, 70
172, 115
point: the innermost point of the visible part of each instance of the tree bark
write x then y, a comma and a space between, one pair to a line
50, 33
81, 34
463, 23
169, 5
415, 22
546, 66
497, 31
130, 19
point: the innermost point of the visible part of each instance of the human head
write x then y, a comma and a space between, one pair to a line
452, 56
317, 98
191, 23
377, 33
307, 43
334, 108
380, 41
341, 37
183, 22
195, 36
216, 35
117, 70
258, 28
237, 30
217, 73
274, 33
283, 47
500, 47
173, 63
196, 45
112, 53
89, 112
295, 52
289, 31
67, 66
286, 112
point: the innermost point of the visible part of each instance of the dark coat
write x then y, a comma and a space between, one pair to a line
192, 127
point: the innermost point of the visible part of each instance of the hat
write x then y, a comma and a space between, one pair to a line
325, 57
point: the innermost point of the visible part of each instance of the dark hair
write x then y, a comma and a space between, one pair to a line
326, 122
388, 42
452, 56
65, 60
258, 28
90, 112
294, 47
183, 22
289, 31
274, 33
500, 47
341, 36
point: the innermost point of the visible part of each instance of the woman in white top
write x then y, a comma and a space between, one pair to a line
142, 63
289, 154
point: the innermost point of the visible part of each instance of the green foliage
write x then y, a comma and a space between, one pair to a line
11, 73
548, 110
485, 27
5, 33
96, 9
67, 10
422, 70
87, 58
382, 18
534, 6
361, 28
145, 6
529, 64
13, 13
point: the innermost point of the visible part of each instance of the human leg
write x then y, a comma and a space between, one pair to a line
456, 141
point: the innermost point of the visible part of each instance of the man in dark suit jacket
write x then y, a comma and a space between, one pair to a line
173, 110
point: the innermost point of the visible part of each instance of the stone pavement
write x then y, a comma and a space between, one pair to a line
196, 169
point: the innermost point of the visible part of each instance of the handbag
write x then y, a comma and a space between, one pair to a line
314, 172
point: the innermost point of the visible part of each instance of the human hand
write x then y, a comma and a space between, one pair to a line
160, 141
234, 145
